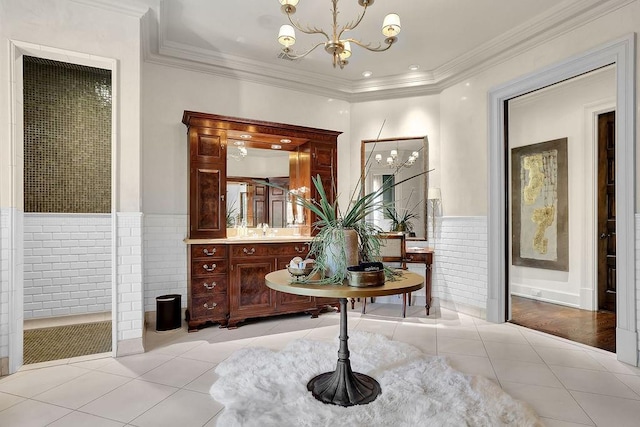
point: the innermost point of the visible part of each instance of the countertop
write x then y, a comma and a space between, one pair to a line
248, 240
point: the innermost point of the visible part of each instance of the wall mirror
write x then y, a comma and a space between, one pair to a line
252, 157
388, 161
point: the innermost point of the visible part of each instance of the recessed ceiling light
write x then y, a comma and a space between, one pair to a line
238, 143
276, 146
285, 140
367, 74
414, 67
467, 84
245, 136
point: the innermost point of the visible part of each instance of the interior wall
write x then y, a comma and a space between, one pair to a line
165, 154
464, 105
561, 111
89, 34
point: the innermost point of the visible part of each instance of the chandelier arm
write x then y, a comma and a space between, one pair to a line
389, 40
353, 24
307, 30
291, 55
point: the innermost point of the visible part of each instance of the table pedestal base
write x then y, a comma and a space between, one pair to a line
343, 386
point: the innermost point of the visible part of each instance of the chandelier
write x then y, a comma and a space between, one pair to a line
240, 154
394, 162
339, 48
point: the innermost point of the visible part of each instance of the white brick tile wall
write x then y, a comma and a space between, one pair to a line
460, 261
165, 258
67, 264
129, 270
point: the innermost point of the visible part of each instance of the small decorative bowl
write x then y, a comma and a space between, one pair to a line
299, 273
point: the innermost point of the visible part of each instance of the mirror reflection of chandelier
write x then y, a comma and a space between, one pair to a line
240, 154
395, 162
336, 46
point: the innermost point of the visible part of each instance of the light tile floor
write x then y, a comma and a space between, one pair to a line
568, 384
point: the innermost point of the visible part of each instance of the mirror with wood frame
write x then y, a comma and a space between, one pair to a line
386, 162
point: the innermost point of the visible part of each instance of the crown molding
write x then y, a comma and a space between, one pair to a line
129, 8
558, 20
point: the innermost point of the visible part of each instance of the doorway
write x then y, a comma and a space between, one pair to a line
558, 192
621, 53
67, 113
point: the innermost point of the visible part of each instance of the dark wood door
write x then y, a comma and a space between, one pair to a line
258, 194
606, 212
278, 202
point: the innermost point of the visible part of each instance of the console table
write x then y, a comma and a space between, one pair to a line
343, 386
416, 255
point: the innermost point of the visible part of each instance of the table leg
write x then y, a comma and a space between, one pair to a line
343, 386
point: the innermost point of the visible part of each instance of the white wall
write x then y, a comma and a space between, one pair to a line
464, 106
67, 264
165, 140
561, 111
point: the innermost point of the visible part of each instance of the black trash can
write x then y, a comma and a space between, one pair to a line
168, 312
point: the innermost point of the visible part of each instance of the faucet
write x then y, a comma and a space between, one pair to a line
265, 227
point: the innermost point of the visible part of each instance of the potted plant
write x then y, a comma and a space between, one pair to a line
401, 218
339, 232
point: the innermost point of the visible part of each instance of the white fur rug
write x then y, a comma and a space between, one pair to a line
262, 387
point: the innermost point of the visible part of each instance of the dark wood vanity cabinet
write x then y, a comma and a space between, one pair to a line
226, 280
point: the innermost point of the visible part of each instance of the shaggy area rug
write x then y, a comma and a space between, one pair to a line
262, 387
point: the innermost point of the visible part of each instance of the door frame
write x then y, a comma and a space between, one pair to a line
622, 53
16, 240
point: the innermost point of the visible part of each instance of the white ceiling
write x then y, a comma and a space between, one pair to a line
446, 38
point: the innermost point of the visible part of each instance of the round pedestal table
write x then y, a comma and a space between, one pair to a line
343, 386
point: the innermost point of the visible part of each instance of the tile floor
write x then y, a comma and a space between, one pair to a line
568, 384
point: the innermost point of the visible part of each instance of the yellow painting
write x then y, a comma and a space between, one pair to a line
539, 205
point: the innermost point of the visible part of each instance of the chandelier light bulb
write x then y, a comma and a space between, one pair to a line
390, 160
394, 154
391, 25
287, 36
415, 154
346, 51
289, 2
378, 158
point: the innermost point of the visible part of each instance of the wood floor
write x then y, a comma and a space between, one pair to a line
593, 328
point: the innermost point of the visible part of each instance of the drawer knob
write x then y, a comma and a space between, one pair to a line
249, 251
206, 267
211, 286
209, 253
206, 305
299, 250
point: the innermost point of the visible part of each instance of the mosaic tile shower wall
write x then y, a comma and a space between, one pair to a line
67, 137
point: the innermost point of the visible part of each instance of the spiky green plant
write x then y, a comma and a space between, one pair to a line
332, 222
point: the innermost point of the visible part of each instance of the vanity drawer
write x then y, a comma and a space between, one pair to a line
300, 249
420, 257
208, 251
215, 284
208, 267
209, 306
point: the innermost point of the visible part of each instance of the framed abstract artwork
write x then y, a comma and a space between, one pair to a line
540, 213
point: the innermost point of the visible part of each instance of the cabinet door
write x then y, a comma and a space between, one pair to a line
207, 209
323, 157
248, 293
208, 146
